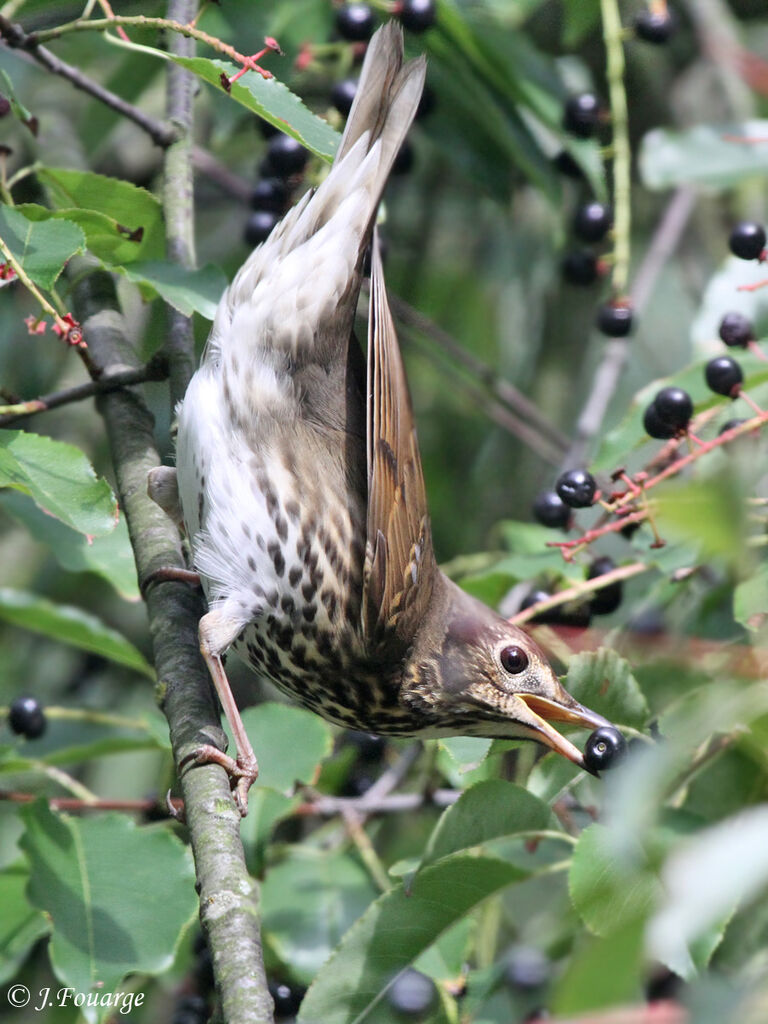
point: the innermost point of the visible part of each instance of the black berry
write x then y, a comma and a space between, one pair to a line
567, 165
343, 94
412, 993
579, 267
747, 240
267, 129
286, 156
259, 226
27, 718
574, 615
604, 749
550, 510
607, 599
576, 488
287, 999
190, 1009
355, 22
582, 114
370, 747
527, 968
655, 26
592, 221
730, 425
404, 159
723, 375
674, 406
615, 321
269, 194
5, 106
654, 426
736, 330
418, 15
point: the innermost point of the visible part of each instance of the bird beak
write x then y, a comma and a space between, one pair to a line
544, 711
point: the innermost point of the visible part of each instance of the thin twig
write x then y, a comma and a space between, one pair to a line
581, 589
178, 198
613, 38
161, 133
155, 369
233, 184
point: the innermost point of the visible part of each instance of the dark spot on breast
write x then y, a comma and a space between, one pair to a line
330, 600
251, 563
295, 575
293, 510
276, 554
272, 598
288, 605
281, 525
309, 611
308, 591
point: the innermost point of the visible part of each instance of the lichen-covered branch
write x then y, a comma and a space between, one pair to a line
228, 896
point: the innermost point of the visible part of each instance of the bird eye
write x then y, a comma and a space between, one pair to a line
514, 659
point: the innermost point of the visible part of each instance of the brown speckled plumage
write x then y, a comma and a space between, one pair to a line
301, 485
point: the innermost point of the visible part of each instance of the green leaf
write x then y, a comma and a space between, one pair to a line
271, 100
59, 478
70, 626
43, 249
109, 556
580, 19
395, 930
21, 925
708, 512
108, 240
308, 901
606, 972
19, 110
603, 681
189, 291
265, 808
104, 929
467, 751
719, 869
716, 155
273, 730
486, 811
609, 890
136, 210
750, 599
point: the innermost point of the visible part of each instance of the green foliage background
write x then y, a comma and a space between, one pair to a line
660, 866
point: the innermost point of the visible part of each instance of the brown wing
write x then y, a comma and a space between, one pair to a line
399, 561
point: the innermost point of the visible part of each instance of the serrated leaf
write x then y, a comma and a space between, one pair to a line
290, 741
605, 972
70, 626
708, 513
42, 249
308, 901
395, 930
716, 155
608, 891
108, 240
59, 478
603, 681
21, 924
467, 751
486, 811
18, 108
189, 291
137, 210
271, 100
109, 556
102, 928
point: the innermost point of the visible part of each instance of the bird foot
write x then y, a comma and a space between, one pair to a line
242, 771
170, 574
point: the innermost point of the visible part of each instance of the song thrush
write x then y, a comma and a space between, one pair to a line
301, 486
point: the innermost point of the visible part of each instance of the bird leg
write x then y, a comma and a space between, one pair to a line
163, 489
216, 634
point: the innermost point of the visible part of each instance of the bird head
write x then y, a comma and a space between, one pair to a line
489, 678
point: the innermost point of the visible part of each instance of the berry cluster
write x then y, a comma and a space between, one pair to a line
286, 159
